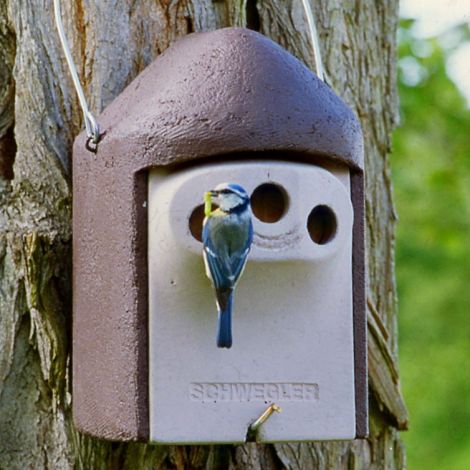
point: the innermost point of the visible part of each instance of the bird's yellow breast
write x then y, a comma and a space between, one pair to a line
217, 213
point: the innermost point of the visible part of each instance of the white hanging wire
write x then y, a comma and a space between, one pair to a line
314, 39
91, 126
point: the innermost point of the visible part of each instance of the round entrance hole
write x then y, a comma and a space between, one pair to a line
322, 225
195, 222
196, 219
269, 202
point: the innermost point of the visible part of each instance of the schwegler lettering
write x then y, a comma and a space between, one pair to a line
246, 392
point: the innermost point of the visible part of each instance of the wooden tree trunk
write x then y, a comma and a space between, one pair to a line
39, 116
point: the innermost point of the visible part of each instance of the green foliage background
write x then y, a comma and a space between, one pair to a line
431, 173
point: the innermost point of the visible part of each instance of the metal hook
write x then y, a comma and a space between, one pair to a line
91, 126
314, 39
251, 435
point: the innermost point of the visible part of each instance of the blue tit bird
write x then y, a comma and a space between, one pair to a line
227, 235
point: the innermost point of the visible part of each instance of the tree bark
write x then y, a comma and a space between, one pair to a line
112, 41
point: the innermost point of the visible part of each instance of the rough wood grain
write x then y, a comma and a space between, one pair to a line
112, 41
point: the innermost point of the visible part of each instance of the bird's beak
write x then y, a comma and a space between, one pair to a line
208, 195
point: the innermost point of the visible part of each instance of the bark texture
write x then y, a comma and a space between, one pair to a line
39, 116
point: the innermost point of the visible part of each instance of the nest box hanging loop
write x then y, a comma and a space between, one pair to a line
91, 126
314, 40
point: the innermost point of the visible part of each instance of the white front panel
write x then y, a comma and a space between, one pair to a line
292, 316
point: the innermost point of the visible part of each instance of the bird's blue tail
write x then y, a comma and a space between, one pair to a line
224, 327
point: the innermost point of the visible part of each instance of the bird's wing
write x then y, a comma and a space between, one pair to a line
238, 262
224, 268
218, 265
217, 268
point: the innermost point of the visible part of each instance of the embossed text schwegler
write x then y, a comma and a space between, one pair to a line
251, 391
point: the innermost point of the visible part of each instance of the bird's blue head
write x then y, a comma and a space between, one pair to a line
230, 197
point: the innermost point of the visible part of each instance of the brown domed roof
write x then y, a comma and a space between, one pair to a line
231, 90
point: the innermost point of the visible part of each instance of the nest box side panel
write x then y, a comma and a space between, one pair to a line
109, 300
359, 305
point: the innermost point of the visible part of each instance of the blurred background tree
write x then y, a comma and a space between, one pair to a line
431, 174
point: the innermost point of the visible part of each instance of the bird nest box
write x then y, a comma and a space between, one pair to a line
222, 104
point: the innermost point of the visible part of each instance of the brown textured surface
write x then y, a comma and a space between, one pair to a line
359, 305
209, 95
230, 90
